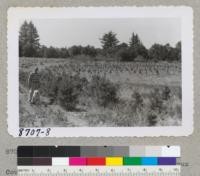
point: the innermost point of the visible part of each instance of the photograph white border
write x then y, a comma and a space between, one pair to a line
183, 12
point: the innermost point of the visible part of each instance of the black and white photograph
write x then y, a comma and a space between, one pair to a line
100, 72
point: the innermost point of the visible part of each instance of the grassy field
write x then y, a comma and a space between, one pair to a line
77, 93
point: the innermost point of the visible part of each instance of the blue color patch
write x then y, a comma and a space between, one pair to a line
149, 161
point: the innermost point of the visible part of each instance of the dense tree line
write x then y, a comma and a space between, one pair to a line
29, 46
53, 52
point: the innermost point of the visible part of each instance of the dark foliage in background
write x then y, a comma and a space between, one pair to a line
29, 46
109, 43
165, 52
28, 40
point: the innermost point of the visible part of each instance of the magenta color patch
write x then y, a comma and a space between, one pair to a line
77, 161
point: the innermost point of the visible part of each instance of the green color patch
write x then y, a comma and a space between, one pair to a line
132, 161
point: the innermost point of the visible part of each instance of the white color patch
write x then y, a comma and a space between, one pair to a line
60, 161
171, 151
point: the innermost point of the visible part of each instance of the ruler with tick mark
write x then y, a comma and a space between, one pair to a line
99, 171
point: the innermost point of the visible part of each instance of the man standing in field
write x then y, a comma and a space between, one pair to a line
33, 83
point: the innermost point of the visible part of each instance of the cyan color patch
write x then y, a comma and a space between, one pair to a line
149, 161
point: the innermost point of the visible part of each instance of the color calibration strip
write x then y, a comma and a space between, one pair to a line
97, 161
98, 151
97, 156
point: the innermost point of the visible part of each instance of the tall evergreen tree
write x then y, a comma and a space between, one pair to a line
135, 41
137, 47
178, 50
28, 40
109, 42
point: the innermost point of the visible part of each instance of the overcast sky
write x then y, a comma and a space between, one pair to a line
68, 32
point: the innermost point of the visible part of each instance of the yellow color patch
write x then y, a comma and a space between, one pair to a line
114, 161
